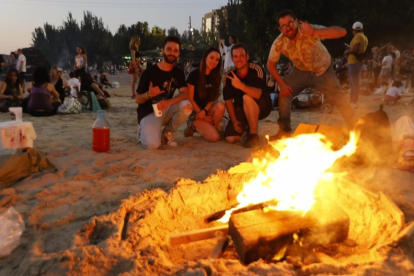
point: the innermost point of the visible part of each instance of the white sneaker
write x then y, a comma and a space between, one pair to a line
168, 138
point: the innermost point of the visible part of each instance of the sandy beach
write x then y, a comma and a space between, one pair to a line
75, 217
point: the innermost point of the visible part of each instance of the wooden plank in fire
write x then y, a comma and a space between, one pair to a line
258, 234
198, 235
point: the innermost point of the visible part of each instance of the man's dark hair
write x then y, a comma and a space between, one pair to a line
172, 38
238, 46
396, 84
72, 74
286, 13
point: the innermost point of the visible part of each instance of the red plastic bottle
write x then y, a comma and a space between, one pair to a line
101, 132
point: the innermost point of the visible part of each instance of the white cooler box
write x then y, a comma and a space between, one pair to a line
16, 135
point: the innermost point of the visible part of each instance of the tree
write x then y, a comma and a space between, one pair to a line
173, 31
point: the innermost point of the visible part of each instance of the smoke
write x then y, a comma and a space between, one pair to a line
64, 60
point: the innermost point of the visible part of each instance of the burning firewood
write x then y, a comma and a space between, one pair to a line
219, 214
258, 234
197, 235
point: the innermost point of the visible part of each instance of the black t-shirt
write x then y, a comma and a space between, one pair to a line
1, 61
192, 79
255, 77
137, 54
167, 81
102, 79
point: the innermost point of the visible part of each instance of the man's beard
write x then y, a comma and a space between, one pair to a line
167, 60
294, 34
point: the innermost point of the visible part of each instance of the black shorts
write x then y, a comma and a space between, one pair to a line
21, 78
79, 72
265, 107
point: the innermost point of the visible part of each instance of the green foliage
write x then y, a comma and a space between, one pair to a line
253, 21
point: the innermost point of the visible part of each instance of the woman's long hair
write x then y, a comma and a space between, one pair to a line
40, 76
52, 74
215, 76
133, 43
9, 80
13, 54
82, 49
86, 81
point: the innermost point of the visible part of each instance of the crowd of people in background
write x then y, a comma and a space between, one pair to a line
48, 91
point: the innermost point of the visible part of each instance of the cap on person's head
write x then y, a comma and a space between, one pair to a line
357, 26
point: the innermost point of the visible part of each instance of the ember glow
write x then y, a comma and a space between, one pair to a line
291, 179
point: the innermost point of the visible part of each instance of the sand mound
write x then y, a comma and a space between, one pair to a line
134, 240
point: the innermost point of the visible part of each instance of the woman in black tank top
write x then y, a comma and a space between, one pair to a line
58, 82
135, 69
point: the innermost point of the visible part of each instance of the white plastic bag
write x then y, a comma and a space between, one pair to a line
70, 106
404, 126
381, 91
11, 228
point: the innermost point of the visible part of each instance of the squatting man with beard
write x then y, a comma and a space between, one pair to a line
246, 97
156, 87
301, 43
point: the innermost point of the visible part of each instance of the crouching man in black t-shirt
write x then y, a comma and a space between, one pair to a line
246, 97
156, 90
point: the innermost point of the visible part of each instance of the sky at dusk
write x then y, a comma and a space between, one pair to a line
19, 18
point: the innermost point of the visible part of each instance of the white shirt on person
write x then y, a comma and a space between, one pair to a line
394, 91
397, 54
80, 62
226, 51
21, 63
74, 83
388, 62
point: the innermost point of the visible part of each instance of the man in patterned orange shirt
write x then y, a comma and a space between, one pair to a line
301, 43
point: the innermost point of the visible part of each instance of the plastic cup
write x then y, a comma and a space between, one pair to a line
158, 113
16, 114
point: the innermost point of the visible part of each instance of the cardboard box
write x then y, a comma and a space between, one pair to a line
15, 135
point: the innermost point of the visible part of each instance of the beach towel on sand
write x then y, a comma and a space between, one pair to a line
20, 164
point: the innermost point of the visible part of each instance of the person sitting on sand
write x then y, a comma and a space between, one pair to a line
103, 79
74, 85
60, 83
393, 93
11, 93
88, 84
156, 90
44, 99
247, 99
203, 91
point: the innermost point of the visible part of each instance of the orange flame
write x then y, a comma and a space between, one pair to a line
291, 179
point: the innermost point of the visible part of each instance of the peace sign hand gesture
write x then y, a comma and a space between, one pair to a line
235, 81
